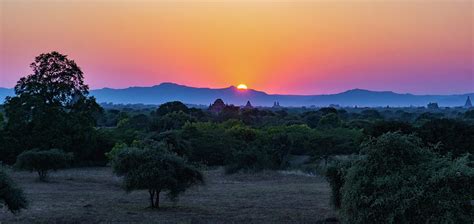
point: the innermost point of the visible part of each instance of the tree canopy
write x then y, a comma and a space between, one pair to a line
398, 180
156, 171
51, 109
43, 161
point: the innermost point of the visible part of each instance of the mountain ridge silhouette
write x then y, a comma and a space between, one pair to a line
168, 91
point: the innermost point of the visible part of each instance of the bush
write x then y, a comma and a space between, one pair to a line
209, 143
115, 151
156, 171
335, 176
249, 160
10, 195
170, 107
400, 181
43, 161
455, 136
330, 120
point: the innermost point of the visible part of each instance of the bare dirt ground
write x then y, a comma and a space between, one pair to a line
94, 195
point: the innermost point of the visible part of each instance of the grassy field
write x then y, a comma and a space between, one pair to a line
94, 195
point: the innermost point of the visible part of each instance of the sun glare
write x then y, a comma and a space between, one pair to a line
242, 86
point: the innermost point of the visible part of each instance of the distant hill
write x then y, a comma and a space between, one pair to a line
4, 92
169, 92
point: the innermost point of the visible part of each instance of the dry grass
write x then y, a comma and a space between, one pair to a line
94, 195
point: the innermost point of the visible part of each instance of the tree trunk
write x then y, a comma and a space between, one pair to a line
157, 201
152, 196
42, 175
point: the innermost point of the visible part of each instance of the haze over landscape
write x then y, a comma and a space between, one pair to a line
166, 92
229, 111
321, 47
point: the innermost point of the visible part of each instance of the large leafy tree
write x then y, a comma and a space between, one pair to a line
51, 109
398, 180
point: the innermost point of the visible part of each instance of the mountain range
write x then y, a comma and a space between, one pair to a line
165, 92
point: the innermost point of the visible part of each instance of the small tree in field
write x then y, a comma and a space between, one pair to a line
10, 195
43, 161
155, 171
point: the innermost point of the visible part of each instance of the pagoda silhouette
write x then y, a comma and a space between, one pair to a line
217, 106
276, 104
248, 105
468, 103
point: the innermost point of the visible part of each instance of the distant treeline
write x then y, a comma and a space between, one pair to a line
317, 132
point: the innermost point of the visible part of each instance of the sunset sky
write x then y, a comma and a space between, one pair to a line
416, 46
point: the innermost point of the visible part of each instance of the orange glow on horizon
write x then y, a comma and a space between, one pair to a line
242, 86
285, 47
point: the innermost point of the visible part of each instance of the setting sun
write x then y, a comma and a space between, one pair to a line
242, 86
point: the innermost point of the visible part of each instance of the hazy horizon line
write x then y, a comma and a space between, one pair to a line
268, 93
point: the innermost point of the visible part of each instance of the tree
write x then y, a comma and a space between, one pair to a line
209, 142
249, 159
155, 171
381, 127
10, 195
335, 141
171, 121
331, 120
139, 122
51, 108
312, 119
371, 114
469, 114
174, 106
398, 180
229, 112
43, 161
115, 151
1, 121
328, 110
456, 137
428, 116
335, 176
175, 143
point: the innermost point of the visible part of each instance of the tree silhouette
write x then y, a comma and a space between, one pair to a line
51, 109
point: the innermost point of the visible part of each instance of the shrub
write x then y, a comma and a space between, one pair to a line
10, 195
330, 120
209, 143
43, 161
381, 127
156, 171
400, 181
115, 151
335, 176
249, 160
169, 107
171, 121
456, 137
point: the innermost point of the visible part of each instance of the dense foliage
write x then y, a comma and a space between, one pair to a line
10, 195
43, 161
335, 173
155, 171
398, 180
52, 109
